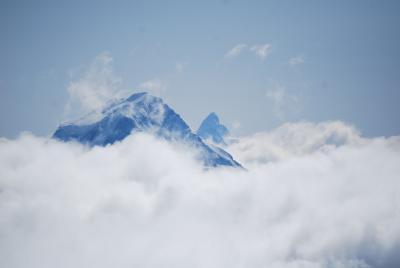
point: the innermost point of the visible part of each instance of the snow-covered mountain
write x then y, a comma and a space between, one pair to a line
212, 129
141, 112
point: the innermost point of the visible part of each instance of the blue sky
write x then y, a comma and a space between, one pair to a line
257, 64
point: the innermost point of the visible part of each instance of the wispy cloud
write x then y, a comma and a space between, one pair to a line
236, 125
235, 51
154, 86
95, 87
282, 101
180, 66
262, 51
296, 60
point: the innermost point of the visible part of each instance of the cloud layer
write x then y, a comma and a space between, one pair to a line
314, 195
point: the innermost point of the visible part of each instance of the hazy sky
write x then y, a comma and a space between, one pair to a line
257, 64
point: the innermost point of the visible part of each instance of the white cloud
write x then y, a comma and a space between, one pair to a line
262, 51
327, 198
235, 51
282, 101
96, 86
154, 86
296, 60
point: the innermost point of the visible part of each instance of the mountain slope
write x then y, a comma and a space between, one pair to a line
212, 129
140, 112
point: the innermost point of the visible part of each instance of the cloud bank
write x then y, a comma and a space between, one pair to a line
293, 140
314, 195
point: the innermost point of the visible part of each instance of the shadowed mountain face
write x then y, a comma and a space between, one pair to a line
140, 112
212, 129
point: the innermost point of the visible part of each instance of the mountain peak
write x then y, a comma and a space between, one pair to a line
141, 112
136, 96
212, 129
212, 116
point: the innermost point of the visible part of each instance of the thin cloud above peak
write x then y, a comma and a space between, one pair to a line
154, 86
95, 85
